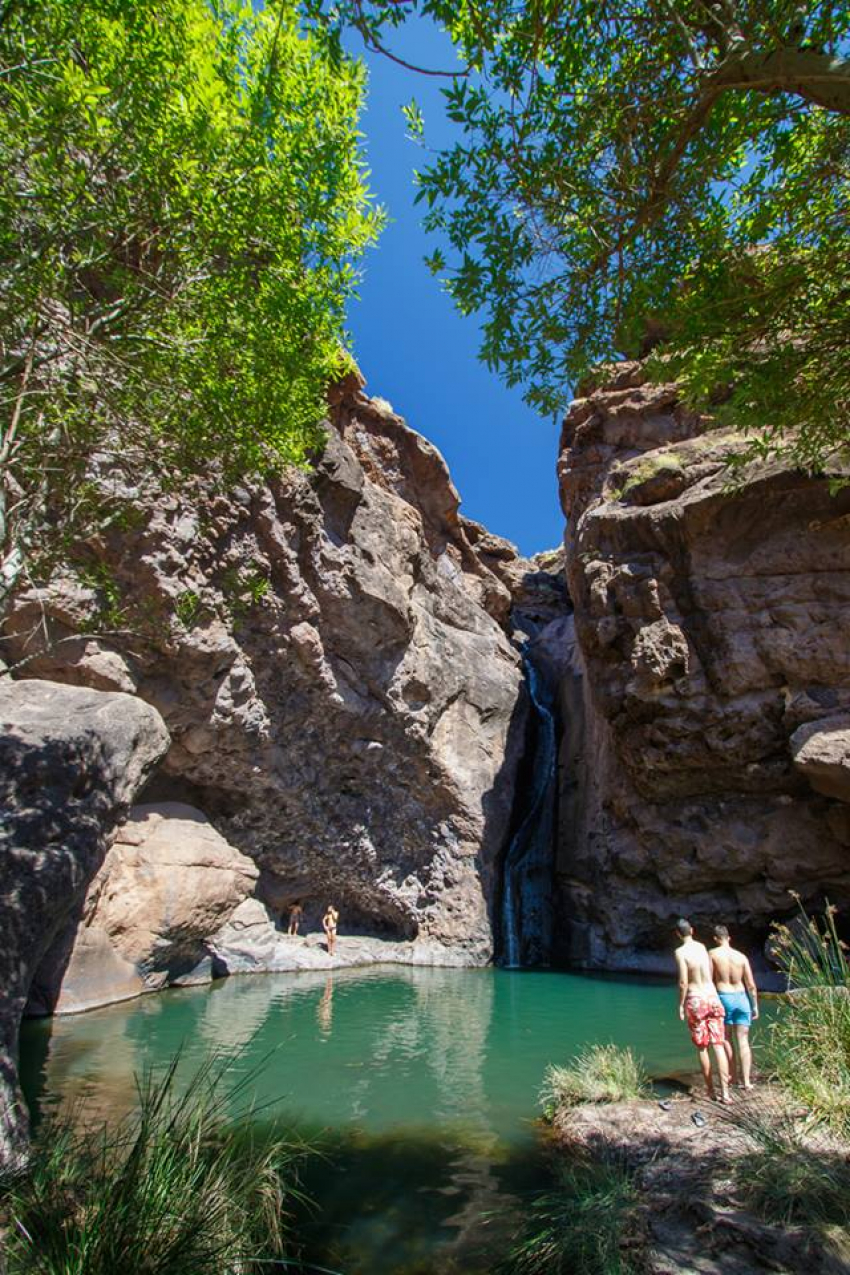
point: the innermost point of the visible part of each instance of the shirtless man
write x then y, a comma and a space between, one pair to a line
736, 988
699, 1003
296, 914
329, 924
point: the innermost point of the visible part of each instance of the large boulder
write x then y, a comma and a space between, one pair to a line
71, 761
709, 685
329, 652
168, 883
821, 752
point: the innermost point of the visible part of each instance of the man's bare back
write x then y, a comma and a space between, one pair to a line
736, 988
694, 966
732, 971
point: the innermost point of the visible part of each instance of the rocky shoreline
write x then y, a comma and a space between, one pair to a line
690, 1217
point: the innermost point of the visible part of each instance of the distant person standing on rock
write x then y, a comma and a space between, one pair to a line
701, 1006
736, 988
296, 915
329, 924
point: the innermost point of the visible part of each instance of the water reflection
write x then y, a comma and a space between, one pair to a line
420, 1083
324, 1011
407, 1045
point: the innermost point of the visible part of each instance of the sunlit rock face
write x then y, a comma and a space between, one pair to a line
329, 652
71, 761
168, 883
706, 763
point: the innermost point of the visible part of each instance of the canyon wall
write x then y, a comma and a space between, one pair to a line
335, 656
71, 762
330, 653
705, 686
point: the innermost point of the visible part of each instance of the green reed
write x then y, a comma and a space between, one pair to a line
179, 1187
601, 1073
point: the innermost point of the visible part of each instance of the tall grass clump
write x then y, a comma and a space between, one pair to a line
586, 1226
810, 1039
795, 1174
176, 1188
601, 1073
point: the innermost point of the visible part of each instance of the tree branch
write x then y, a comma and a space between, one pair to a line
372, 42
807, 73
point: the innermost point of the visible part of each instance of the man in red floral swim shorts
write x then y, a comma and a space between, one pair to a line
700, 1005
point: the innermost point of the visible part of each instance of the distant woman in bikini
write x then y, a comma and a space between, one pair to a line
329, 924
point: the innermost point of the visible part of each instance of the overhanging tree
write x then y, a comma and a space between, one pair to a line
182, 204
665, 169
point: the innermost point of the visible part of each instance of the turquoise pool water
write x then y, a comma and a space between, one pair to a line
420, 1084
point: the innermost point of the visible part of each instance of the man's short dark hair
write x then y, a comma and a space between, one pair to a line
684, 928
720, 932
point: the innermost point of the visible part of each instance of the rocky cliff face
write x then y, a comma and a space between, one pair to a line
71, 761
168, 884
328, 651
705, 769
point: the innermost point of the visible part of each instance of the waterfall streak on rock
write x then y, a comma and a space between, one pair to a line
527, 878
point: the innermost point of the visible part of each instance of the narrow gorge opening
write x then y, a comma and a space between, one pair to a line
525, 915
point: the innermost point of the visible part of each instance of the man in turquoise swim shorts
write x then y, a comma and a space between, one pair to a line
736, 988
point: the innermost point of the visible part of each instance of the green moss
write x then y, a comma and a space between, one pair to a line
635, 474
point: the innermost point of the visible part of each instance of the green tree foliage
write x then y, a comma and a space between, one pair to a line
182, 204
670, 171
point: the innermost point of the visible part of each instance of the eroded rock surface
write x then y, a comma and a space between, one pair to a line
71, 761
821, 752
709, 682
329, 654
168, 883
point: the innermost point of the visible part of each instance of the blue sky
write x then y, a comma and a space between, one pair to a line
413, 347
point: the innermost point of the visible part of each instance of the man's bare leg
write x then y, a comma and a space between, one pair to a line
705, 1068
742, 1038
722, 1070
730, 1058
